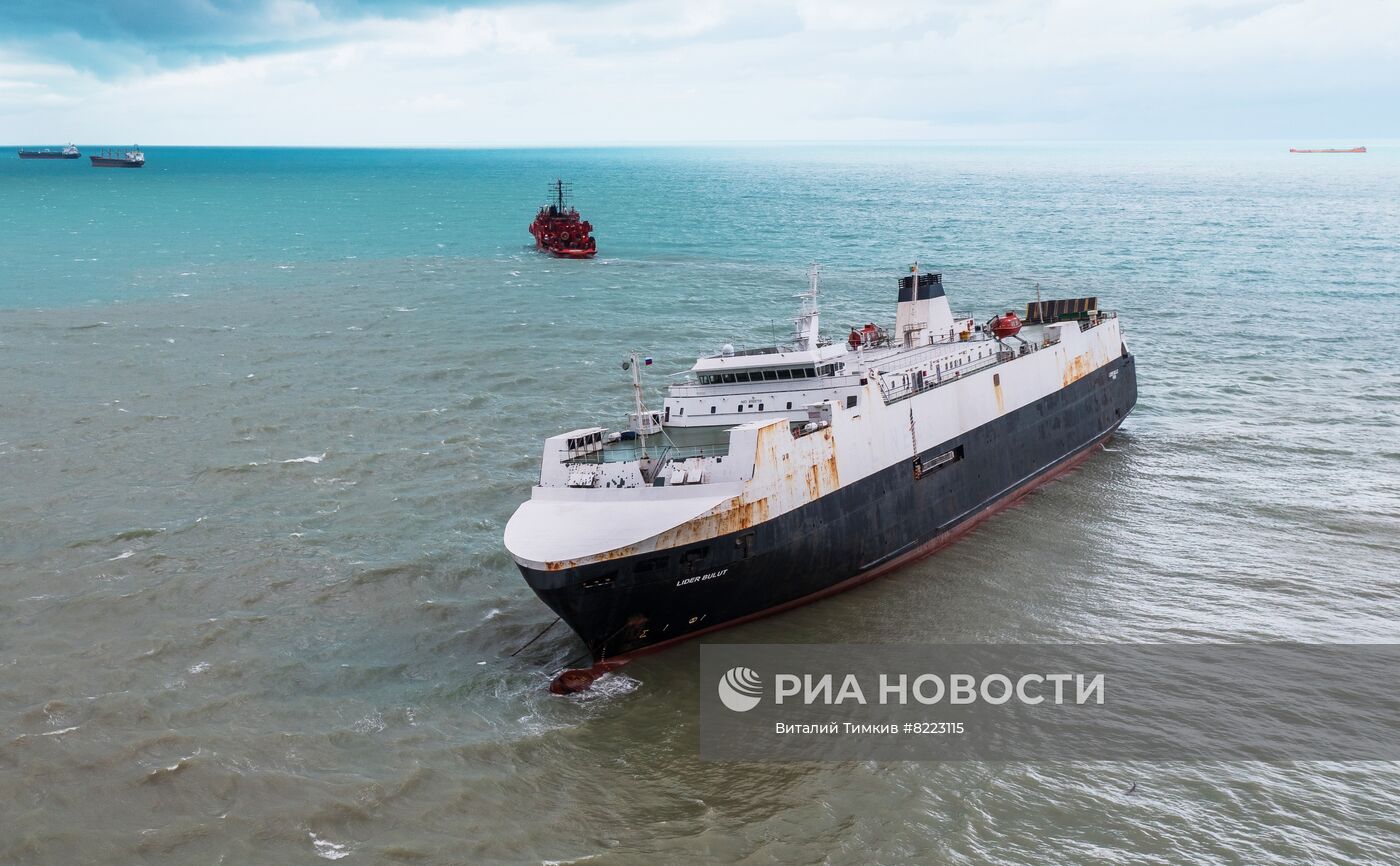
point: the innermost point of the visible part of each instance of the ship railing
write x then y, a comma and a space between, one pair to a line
656, 449
893, 392
1097, 318
932, 351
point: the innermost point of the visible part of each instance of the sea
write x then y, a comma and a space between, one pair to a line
264, 414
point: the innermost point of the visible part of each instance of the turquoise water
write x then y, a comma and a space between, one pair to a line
265, 414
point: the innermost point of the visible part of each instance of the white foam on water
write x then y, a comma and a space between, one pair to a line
607, 686
199, 668
328, 849
314, 458
405, 309
123, 555
61, 731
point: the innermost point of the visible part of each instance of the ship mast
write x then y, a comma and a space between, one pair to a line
809, 319
641, 425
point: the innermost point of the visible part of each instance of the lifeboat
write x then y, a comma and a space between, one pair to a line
870, 335
1006, 325
559, 230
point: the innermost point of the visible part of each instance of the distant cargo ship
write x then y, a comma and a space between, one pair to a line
69, 152
1327, 150
110, 158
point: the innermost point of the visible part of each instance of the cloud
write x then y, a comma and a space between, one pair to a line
158, 24
297, 72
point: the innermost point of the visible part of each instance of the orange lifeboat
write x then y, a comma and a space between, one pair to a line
1006, 325
870, 335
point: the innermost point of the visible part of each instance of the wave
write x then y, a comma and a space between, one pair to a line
314, 458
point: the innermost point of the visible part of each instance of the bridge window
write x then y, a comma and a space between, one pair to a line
784, 374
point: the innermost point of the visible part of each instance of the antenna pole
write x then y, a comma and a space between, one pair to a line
637, 401
808, 321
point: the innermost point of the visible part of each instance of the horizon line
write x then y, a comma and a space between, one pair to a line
721, 143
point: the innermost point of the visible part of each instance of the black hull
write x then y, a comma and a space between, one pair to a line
101, 162
49, 156
845, 538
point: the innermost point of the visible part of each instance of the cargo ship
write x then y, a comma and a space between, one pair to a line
1327, 150
559, 230
69, 152
117, 158
772, 477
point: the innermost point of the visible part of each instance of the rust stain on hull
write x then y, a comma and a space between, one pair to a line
732, 517
1081, 366
616, 553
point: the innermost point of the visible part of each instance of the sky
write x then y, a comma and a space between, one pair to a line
425, 73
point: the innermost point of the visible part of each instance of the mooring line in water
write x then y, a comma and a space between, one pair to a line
536, 637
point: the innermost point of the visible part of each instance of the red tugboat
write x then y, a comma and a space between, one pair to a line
559, 229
